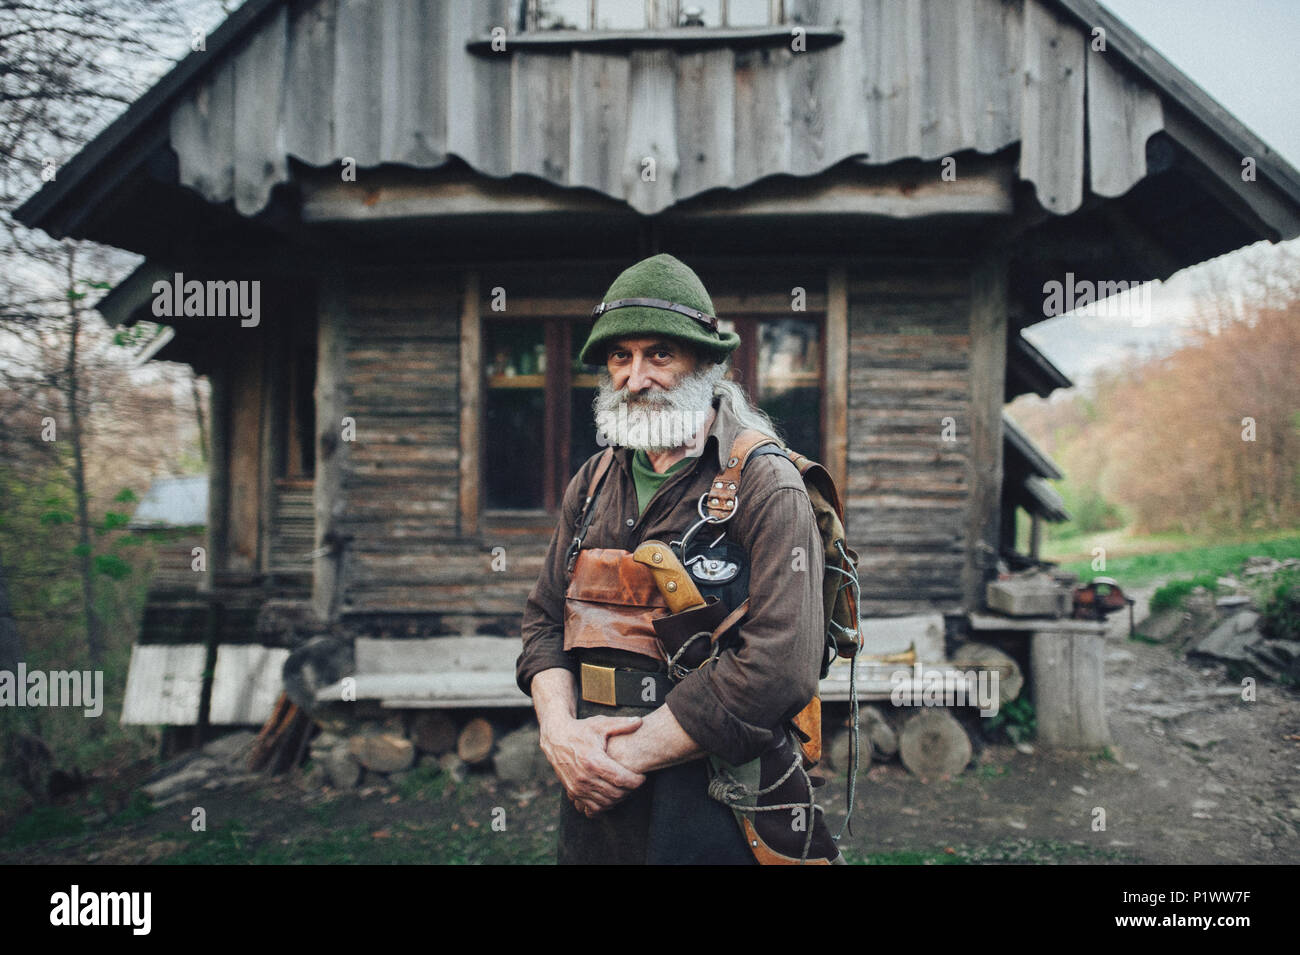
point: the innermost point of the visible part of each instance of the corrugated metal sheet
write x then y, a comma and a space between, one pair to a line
173, 502
164, 685
393, 83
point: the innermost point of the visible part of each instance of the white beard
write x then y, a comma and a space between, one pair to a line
657, 420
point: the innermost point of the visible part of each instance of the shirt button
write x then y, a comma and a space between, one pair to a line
630, 522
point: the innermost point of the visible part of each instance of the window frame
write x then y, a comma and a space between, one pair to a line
562, 321
560, 325
745, 363
672, 13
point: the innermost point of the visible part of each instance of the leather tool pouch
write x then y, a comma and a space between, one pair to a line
676, 629
721, 572
612, 602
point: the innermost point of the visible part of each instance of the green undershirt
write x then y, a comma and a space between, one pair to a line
648, 480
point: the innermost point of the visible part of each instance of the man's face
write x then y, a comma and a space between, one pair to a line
655, 395
643, 364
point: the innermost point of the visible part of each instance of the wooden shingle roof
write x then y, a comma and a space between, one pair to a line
409, 84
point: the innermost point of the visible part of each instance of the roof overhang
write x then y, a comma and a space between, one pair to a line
1025, 455
129, 170
1028, 370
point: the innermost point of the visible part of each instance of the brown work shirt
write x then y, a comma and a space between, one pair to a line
733, 706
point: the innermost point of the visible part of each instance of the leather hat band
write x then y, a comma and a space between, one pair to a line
708, 321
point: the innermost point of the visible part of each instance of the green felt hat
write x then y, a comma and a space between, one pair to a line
658, 296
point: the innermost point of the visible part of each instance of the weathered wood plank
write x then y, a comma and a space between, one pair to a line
1068, 676
598, 120
1053, 118
762, 113
539, 141
328, 497
707, 128
651, 130
246, 682
412, 123
259, 71
309, 76
1122, 115
471, 406
836, 373
358, 100
245, 502
988, 371
164, 685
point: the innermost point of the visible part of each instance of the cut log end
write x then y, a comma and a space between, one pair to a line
1010, 679
434, 732
933, 745
474, 746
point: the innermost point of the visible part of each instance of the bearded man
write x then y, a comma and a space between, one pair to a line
633, 740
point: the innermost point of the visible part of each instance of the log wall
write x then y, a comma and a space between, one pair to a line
908, 477
410, 554
399, 480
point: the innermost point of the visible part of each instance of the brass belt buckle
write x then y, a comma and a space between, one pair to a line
598, 684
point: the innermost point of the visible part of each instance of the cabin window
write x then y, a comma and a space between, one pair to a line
779, 364
538, 423
641, 14
539, 426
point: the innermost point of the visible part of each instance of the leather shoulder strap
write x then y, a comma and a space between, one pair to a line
587, 513
721, 502
597, 476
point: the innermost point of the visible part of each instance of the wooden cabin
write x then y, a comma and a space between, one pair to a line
433, 194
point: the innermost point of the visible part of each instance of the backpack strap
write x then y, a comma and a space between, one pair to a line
721, 499
587, 513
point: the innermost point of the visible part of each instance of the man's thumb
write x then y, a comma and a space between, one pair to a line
617, 725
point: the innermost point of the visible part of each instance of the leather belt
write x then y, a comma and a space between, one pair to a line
618, 686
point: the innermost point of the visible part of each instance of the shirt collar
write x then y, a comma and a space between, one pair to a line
723, 433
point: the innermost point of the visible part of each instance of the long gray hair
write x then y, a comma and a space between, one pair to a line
749, 415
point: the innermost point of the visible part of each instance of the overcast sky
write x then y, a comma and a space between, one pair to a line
1244, 53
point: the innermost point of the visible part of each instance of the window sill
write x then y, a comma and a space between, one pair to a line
680, 38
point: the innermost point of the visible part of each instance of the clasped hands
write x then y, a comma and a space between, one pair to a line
579, 751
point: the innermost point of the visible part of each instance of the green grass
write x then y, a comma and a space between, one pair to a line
461, 835
140, 807
238, 843
1184, 556
1025, 851
1279, 602
42, 823
425, 782
1175, 593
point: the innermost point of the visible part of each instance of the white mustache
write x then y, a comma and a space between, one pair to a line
658, 419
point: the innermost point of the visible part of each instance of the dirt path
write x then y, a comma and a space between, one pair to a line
1199, 776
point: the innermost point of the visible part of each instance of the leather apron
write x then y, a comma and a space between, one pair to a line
611, 608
